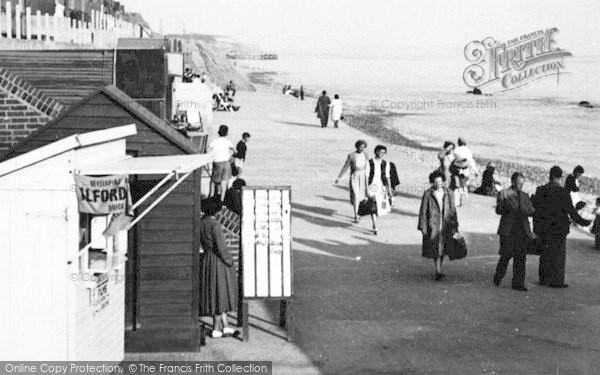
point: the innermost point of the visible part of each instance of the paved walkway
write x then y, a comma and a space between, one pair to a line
384, 313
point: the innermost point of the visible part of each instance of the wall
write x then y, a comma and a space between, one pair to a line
23, 109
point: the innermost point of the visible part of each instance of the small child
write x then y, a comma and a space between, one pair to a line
596, 226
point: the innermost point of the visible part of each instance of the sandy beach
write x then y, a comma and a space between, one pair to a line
384, 313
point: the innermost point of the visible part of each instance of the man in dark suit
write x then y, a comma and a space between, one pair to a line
553, 207
514, 230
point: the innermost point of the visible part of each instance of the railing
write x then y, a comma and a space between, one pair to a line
102, 31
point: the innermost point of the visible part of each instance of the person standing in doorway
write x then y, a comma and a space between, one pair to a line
322, 109
222, 149
514, 230
553, 208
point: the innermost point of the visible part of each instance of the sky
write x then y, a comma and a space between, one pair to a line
377, 27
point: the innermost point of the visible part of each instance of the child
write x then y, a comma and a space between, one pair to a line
596, 226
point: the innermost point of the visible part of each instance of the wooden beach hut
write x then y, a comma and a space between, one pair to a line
162, 270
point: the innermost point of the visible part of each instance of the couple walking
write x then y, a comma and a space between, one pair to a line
372, 181
325, 107
552, 210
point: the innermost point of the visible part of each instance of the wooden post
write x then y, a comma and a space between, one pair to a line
102, 16
38, 24
18, 20
55, 26
245, 328
28, 23
47, 26
8, 20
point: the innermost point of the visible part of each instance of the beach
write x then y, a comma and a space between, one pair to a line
366, 304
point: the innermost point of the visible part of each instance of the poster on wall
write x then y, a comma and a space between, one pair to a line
266, 242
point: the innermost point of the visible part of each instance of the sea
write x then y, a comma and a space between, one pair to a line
540, 124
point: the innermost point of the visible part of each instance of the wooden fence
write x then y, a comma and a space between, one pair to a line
103, 31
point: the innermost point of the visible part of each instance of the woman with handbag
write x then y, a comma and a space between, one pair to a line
379, 188
438, 222
357, 163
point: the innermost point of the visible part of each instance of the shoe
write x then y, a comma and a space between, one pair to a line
375, 231
439, 276
228, 331
356, 221
497, 281
216, 334
520, 288
558, 285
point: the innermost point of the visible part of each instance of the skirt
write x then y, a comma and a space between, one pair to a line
218, 286
358, 187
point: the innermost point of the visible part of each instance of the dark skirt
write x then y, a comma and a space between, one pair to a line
218, 286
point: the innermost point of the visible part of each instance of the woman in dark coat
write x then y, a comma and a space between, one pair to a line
437, 221
218, 286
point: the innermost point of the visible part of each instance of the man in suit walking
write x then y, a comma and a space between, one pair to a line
553, 208
514, 230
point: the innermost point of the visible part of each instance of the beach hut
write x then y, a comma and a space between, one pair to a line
63, 293
162, 288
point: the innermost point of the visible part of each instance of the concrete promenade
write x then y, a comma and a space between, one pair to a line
384, 313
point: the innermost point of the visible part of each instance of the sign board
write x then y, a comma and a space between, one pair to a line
266, 242
103, 195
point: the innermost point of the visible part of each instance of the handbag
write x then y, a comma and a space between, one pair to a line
458, 248
367, 207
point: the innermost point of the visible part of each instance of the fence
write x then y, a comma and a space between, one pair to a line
103, 31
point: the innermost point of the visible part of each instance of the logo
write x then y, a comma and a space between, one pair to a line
516, 63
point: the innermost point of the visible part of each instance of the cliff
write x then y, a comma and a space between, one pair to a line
207, 54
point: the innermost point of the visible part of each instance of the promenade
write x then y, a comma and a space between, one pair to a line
384, 313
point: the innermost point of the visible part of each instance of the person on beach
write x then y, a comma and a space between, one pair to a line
490, 185
438, 221
446, 157
572, 184
301, 92
188, 75
222, 149
218, 284
336, 110
322, 109
467, 171
230, 89
514, 230
379, 184
357, 163
553, 208
240, 153
596, 226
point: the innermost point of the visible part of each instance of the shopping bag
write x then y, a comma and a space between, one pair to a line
367, 207
458, 247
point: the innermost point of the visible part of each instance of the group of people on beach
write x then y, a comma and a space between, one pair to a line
554, 207
217, 277
298, 93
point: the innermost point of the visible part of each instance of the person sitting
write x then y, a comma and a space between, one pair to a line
490, 185
230, 87
188, 75
572, 184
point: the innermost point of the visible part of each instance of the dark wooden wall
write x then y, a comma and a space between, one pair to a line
66, 75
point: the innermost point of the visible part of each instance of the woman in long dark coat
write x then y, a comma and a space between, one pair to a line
218, 286
437, 221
